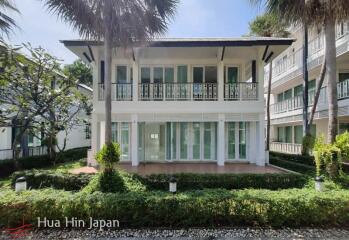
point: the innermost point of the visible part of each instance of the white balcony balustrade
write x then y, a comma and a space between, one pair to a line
297, 102
119, 91
242, 91
291, 148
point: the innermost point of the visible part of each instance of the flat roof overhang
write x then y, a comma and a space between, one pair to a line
271, 46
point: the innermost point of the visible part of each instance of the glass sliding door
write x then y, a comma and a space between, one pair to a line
125, 140
231, 141
184, 139
158, 81
210, 132
145, 83
196, 138
154, 141
114, 132
242, 140
171, 141
182, 81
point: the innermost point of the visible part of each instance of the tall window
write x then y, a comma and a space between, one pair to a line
231, 75
158, 75
231, 140
184, 140
169, 75
121, 74
145, 75
182, 74
242, 140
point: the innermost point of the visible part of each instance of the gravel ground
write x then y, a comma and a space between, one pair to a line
237, 233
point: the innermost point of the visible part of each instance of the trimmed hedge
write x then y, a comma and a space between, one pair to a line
293, 166
307, 160
48, 179
7, 167
206, 208
185, 181
191, 181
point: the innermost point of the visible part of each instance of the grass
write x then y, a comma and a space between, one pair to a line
5, 183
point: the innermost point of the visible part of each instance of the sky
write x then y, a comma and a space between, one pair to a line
194, 18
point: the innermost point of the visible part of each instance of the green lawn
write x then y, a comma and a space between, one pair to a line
59, 168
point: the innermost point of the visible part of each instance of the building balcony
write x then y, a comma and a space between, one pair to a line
291, 148
289, 64
242, 91
296, 103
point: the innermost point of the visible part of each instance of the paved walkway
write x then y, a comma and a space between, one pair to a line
171, 168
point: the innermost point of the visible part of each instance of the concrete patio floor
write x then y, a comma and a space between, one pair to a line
171, 168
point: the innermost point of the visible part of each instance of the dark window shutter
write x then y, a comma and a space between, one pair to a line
254, 74
102, 72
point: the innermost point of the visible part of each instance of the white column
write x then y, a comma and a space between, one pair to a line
135, 81
260, 141
252, 142
102, 134
134, 140
221, 141
220, 81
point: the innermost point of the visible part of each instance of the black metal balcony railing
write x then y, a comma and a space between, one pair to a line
241, 91
119, 91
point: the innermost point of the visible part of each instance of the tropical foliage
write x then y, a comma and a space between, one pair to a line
7, 24
80, 71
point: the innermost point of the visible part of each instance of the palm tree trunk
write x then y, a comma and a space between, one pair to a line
305, 83
107, 85
330, 55
267, 145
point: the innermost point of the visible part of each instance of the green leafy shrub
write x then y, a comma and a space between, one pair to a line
205, 208
7, 167
307, 160
115, 181
308, 142
191, 181
293, 166
329, 156
109, 155
48, 179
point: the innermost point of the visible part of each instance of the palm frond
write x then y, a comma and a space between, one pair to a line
7, 24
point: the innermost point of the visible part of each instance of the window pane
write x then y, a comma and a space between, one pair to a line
242, 140
232, 74
343, 76
169, 75
124, 141
209, 141
121, 74
211, 74
298, 134
182, 76
184, 140
288, 94
298, 90
311, 84
196, 141
171, 141
114, 132
280, 97
231, 140
145, 75
198, 74
289, 134
158, 75
281, 134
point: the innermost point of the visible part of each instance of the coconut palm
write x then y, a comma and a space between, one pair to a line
117, 23
268, 25
7, 24
324, 13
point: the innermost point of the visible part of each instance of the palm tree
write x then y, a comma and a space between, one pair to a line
268, 25
117, 23
7, 24
324, 13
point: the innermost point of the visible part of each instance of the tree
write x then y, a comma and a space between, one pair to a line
314, 13
79, 70
7, 24
119, 24
267, 25
33, 91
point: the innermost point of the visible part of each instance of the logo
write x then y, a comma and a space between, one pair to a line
20, 231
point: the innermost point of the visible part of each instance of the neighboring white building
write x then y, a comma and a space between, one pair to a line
287, 89
186, 100
77, 137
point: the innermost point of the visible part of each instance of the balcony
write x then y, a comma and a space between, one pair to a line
242, 91
177, 91
291, 148
119, 92
297, 102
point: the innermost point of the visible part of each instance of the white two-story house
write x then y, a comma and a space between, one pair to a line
287, 89
183, 100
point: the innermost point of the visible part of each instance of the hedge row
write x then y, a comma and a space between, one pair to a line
205, 208
48, 179
307, 160
293, 166
7, 167
185, 181
190, 181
